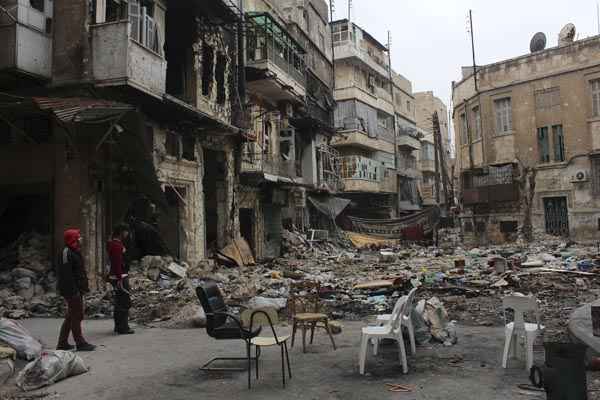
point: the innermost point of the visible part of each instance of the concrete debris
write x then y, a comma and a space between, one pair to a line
27, 279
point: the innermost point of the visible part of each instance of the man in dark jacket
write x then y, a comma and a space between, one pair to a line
72, 285
118, 278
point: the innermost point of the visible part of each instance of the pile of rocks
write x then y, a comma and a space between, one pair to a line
27, 279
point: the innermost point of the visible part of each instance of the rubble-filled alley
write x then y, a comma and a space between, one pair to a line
194, 168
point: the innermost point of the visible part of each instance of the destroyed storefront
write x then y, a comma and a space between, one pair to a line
491, 207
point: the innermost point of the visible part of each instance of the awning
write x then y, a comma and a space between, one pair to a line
329, 205
75, 109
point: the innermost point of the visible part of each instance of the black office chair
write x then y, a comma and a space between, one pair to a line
222, 325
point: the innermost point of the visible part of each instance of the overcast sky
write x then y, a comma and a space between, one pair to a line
430, 41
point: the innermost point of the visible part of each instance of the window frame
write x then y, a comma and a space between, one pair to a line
477, 122
464, 131
595, 97
503, 116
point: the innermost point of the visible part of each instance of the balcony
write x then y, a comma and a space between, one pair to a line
408, 142
362, 174
491, 194
427, 166
121, 59
256, 162
366, 96
275, 61
26, 37
348, 49
356, 138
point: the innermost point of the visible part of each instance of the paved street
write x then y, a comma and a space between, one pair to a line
159, 363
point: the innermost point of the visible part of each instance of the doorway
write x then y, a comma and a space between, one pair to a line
556, 215
170, 223
247, 224
215, 171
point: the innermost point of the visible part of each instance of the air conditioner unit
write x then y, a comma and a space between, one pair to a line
580, 176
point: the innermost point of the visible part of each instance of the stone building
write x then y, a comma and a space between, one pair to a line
128, 111
527, 144
288, 161
364, 119
426, 104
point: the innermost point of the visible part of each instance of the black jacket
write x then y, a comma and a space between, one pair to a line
72, 276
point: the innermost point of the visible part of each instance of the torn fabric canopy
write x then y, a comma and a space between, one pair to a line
329, 205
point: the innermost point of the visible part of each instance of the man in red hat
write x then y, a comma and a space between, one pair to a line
72, 285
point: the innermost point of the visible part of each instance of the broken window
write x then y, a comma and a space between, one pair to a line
188, 150
340, 33
477, 119
150, 137
508, 226
172, 144
468, 226
143, 28
595, 86
287, 144
558, 142
543, 144
37, 4
408, 105
267, 128
220, 77
207, 69
503, 115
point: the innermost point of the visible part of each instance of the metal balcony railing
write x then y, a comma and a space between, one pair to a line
254, 160
358, 167
268, 41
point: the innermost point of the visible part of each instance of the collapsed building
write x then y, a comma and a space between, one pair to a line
527, 144
121, 111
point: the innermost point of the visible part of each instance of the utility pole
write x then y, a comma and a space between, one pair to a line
349, 10
391, 78
331, 10
441, 161
473, 49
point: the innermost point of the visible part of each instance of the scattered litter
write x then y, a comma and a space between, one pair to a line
50, 367
17, 337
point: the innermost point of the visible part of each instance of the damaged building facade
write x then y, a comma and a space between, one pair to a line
127, 111
287, 162
426, 104
364, 119
528, 138
408, 145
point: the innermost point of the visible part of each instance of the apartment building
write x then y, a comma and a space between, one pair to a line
288, 164
528, 144
126, 111
364, 119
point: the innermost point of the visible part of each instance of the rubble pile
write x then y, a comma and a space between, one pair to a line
27, 279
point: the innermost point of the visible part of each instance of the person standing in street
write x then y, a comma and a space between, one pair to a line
118, 278
72, 286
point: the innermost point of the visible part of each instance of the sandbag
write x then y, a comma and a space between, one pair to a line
14, 335
50, 367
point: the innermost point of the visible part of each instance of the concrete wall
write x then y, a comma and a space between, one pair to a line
120, 60
71, 51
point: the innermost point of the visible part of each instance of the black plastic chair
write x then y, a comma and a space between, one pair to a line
222, 325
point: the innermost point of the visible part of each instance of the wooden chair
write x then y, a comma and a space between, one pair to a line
304, 307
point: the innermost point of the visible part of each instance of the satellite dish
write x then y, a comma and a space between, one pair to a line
538, 42
566, 35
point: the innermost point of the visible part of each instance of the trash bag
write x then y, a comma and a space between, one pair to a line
50, 367
14, 335
7, 369
422, 333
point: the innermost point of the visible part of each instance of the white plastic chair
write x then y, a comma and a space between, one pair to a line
406, 320
391, 329
519, 328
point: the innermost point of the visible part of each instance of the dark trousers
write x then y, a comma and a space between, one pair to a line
72, 322
121, 303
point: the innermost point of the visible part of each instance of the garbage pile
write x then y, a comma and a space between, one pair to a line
27, 279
